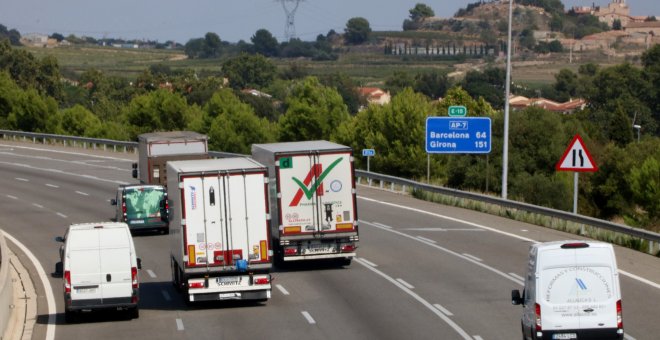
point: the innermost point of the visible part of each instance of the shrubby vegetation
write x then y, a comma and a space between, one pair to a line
299, 107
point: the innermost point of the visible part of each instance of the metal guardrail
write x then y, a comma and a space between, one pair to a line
651, 237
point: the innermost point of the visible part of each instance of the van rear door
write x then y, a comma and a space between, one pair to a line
84, 263
557, 294
596, 287
115, 259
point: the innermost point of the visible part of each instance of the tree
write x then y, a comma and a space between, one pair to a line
616, 25
313, 112
645, 185
57, 36
76, 121
159, 110
420, 12
30, 112
433, 84
566, 84
357, 31
204, 48
265, 43
399, 81
246, 70
234, 126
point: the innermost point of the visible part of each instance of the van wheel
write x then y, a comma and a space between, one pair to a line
134, 313
70, 316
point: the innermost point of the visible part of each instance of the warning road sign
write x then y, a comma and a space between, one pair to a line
576, 158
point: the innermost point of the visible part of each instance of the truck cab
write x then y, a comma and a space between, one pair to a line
142, 207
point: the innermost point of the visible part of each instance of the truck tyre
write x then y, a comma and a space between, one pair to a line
70, 316
345, 262
134, 313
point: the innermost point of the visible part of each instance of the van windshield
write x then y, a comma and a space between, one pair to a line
143, 203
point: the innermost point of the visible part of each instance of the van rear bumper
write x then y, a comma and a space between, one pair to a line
594, 333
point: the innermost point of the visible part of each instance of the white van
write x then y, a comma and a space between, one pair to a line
99, 268
572, 291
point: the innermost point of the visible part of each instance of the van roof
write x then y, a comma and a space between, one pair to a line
91, 225
571, 244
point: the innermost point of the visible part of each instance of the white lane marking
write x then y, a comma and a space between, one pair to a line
12, 197
443, 229
27, 166
369, 263
50, 299
421, 300
382, 225
179, 325
630, 275
52, 185
476, 337
406, 284
309, 318
524, 230
22, 179
443, 309
166, 295
472, 257
67, 153
38, 205
282, 289
494, 270
82, 193
61, 215
517, 276
426, 239
151, 273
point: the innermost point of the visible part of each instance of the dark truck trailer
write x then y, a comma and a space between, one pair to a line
157, 148
312, 200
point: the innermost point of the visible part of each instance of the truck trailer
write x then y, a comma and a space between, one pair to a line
157, 148
312, 200
220, 239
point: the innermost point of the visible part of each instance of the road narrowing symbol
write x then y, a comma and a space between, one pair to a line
576, 158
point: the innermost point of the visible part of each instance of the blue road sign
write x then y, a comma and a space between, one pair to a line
368, 152
458, 134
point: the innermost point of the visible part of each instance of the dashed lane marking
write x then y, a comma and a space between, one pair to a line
282, 289
406, 284
309, 318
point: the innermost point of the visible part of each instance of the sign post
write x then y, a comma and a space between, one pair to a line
368, 153
576, 158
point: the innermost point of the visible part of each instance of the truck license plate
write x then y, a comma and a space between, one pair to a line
228, 280
564, 336
229, 295
318, 250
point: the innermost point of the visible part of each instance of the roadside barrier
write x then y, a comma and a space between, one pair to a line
6, 286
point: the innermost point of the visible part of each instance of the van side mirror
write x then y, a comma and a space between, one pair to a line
59, 269
59, 239
515, 297
113, 201
139, 263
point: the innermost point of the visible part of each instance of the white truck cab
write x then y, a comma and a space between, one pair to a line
99, 268
571, 291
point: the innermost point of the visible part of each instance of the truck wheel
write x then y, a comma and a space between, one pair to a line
134, 313
70, 316
344, 262
176, 282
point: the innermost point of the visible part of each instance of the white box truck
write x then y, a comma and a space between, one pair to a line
99, 269
312, 200
157, 148
572, 291
220, 241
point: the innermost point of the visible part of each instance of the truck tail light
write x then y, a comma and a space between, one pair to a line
261, 281
196, 285
619, 315
67, 281
347, 248
134, 277
537, 309
290, 251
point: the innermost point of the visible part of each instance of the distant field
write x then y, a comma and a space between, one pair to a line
366, 67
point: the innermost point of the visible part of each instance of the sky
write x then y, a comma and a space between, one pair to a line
232, 20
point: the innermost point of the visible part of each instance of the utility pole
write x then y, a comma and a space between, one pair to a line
505, 151
290, 27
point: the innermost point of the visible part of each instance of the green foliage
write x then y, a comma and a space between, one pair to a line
160, 110
30, 111
255, 71
13, 36
234, 126
346, 88
357, 31
488, 84
29, 72
75, 121
542, 189
9, 92
204, 48
313, 112
420, 12
537, 139
265, 43
645, 185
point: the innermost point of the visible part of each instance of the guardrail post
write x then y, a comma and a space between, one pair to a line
114, 148
85, 145
392, 186
651, 247
44, 140
381, 184
24, 138
582, 229
403, 188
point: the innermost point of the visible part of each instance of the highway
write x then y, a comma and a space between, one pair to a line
424, 271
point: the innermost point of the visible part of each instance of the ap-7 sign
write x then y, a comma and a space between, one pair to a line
458, 135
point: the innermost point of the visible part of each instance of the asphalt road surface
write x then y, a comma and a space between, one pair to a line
424, 271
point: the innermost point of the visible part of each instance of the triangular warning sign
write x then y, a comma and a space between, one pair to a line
576, 158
